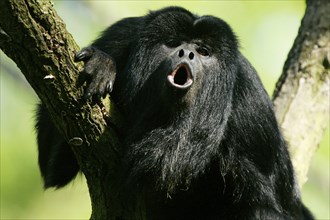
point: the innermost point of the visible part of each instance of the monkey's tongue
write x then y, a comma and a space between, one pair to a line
181, 77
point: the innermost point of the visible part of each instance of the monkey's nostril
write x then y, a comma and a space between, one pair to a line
191, 55
181, 53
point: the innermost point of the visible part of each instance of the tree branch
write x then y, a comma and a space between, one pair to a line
34, 36
301, 97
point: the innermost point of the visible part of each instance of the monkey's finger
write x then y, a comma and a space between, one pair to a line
102, 88
84, 54
90, 90
110, 86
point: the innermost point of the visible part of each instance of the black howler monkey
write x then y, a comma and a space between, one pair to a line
201, 139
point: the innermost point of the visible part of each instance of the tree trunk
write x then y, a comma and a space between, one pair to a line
32, 34
301, 97
35, 38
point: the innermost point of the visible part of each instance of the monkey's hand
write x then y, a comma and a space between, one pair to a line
99, 71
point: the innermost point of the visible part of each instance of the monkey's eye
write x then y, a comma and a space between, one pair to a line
203, 51
172, 43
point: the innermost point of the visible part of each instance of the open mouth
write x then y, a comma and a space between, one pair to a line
181, 77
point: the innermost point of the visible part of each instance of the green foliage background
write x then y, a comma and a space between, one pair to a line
266, 30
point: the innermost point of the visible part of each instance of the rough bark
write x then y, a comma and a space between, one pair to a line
32, 34
301, 97
35, 38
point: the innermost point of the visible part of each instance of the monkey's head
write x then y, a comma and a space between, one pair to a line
180, 60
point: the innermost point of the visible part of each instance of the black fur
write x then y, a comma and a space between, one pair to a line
201, 138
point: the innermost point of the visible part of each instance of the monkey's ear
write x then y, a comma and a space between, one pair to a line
57, 161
